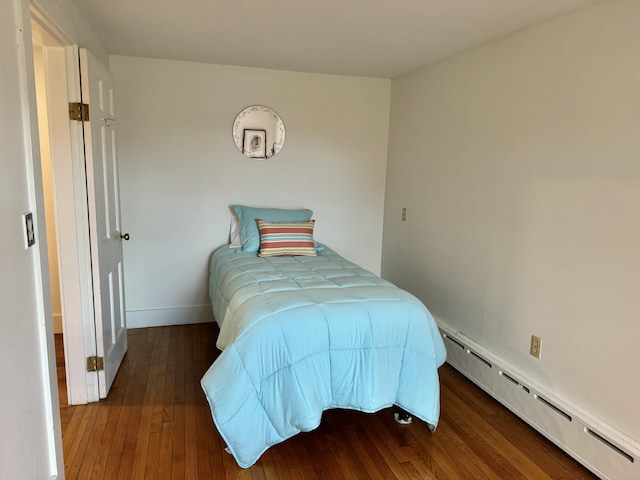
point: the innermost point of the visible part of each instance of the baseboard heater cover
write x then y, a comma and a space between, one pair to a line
601, 449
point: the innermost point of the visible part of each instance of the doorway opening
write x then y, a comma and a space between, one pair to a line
43, 43
56, 75
84, 209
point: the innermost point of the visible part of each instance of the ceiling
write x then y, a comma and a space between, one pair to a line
375, 38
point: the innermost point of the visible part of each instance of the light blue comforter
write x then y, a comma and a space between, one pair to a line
304, 334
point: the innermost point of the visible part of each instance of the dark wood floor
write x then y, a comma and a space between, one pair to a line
156, 424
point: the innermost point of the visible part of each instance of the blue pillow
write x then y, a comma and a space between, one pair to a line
249, 227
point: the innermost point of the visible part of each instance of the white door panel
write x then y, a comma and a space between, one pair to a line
104, 217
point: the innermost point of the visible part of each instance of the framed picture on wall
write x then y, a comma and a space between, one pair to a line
254, 144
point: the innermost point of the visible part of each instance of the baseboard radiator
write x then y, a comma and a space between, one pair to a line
603, 450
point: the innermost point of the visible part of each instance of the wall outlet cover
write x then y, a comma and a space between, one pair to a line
29, 230
536, 344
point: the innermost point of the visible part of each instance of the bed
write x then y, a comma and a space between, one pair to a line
303, 334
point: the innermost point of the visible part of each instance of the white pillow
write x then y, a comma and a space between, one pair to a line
235, 239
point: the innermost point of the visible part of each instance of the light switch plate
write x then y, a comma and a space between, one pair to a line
29, 230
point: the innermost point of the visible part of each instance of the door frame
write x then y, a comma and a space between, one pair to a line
24, 50
71, 211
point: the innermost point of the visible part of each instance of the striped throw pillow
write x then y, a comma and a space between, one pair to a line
286, 238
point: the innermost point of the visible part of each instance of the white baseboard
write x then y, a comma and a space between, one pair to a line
165, 316
605, 451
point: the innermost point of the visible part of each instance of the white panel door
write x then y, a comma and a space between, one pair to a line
104, 217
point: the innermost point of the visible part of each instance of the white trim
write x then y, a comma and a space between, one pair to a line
85, 324
52, 28
41, 266
604, 450
166, 316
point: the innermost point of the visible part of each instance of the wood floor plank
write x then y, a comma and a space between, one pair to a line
93, 455
140, 356
519, 433
156, 424
349, 464
507, 459
151, 469
145, 430
440, 454
369, 463
373, 453
168, 402
113, 406
191, 458
478, 465
205, 456
178, 449
81, 438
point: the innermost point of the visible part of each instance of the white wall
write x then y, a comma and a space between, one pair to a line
518, 162
180, 170
29, 424
47, 186
66, 17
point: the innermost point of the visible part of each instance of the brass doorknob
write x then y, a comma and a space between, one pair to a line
124, 236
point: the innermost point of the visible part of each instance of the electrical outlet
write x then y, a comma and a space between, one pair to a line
536, 344
404, 214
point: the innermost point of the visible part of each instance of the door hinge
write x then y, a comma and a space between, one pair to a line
79, 111
95, 364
